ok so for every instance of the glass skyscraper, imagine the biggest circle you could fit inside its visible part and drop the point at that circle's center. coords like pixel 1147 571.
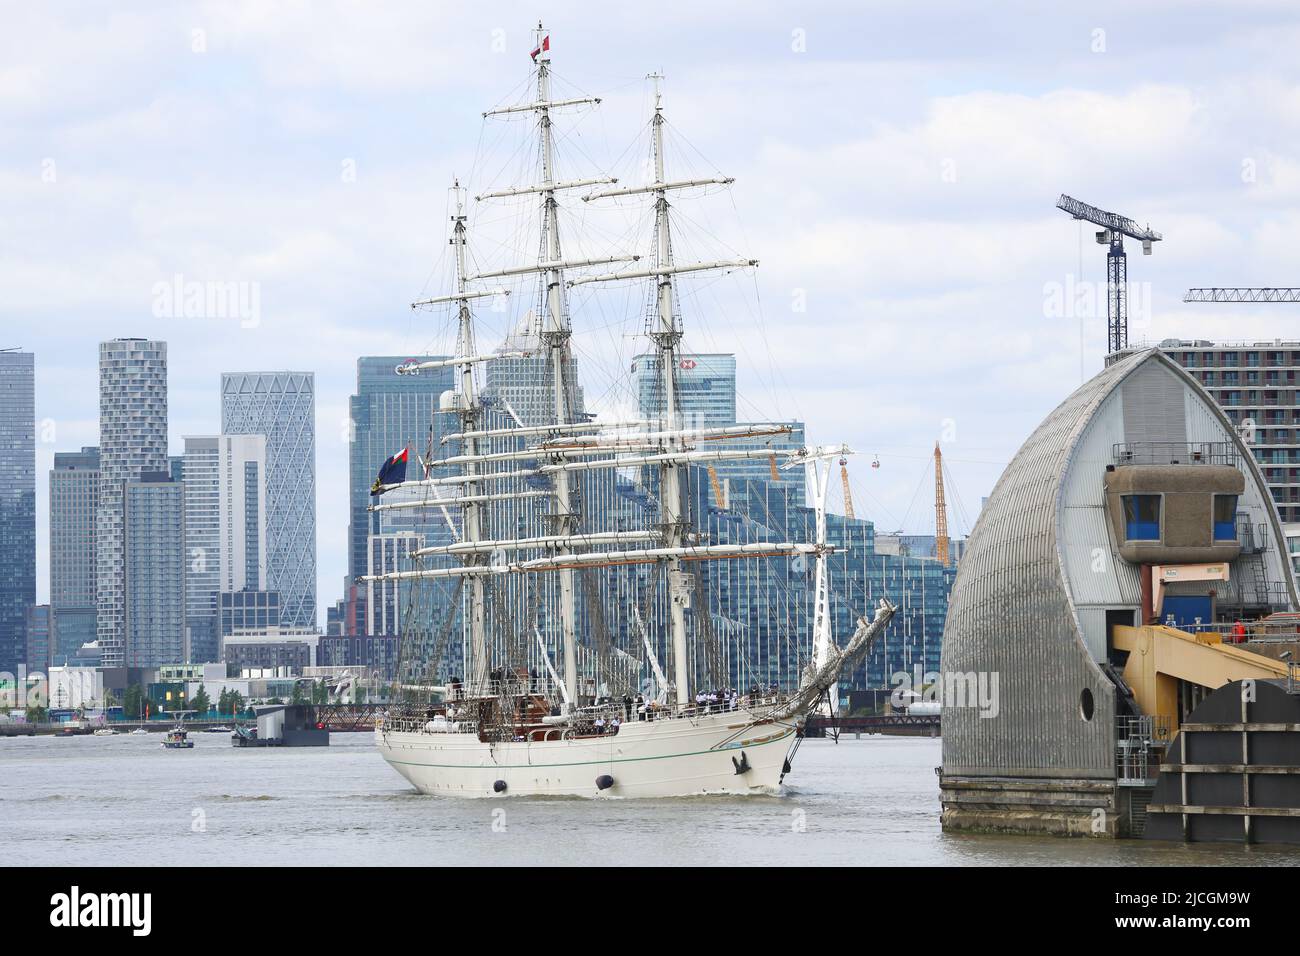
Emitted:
pixel 390 412
pixel 40 631
pixel 17 504
pixel 132 442
pixel 74 499
pixel 282 407
pixel 521 384
pixel 706 388
pixel 706 398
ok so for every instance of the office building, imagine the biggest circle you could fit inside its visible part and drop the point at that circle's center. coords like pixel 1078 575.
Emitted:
pixel 74 499
pixel 390 412
pixel 706 388
pixel 706 398
pixel 282 407
pixel 246 610
pixel 132 442
pixel 17 503
pixel 40 628
pixel 519 378
pixel 271 647
pixel 367 654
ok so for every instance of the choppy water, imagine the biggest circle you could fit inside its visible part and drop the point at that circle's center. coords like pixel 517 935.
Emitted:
pixel 126 800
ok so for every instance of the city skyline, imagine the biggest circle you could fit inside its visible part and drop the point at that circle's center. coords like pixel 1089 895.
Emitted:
pixel 946 252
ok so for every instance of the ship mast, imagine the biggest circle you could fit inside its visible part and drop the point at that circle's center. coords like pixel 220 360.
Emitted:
pixel 666 333
pixel 818 473
pixel 469 420
pixel 555 336
pixel 570 446
pixel 666 336
pixel 467 407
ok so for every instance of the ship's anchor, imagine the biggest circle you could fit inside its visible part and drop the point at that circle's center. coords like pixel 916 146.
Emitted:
pixel 741 765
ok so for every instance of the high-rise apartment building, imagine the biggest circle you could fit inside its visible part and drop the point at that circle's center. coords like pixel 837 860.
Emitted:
pixel 282 407
pixel 74 499
pixel 17 503
pixel 153 522
pixel 385 600
pixel 1256 385
pixel 132 443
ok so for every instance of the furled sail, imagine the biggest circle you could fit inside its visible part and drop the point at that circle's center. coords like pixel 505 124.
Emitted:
pixel 816 680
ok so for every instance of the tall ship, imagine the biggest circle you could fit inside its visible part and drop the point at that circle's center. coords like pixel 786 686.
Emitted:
pixel 547 703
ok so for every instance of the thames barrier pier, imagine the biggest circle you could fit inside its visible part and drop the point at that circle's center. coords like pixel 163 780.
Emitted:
pixel 1127 591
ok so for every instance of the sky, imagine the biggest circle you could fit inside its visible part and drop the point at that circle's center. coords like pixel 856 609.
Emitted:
pixel 896 171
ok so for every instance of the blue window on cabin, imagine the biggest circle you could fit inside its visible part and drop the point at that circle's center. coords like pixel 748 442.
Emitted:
pixel 1142 517
pixel 1225 517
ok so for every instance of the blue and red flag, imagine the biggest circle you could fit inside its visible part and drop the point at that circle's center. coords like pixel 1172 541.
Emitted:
pixel 393 472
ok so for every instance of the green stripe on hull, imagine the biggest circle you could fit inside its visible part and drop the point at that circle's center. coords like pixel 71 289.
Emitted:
pixel 582 763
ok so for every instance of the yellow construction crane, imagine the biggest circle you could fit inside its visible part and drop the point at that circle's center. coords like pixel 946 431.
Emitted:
pixel 848 495
pixel 718 496
pixel 940 511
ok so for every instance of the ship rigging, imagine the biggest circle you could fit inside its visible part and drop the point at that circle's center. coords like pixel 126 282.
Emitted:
pixel 508 727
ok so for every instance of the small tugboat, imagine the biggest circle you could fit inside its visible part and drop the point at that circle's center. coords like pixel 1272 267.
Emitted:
pixel 177 739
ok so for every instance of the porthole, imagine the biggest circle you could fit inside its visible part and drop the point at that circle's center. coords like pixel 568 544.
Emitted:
pixel 1085 704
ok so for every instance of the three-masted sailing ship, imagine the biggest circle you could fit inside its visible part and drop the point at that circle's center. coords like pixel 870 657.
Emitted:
pixel 507 728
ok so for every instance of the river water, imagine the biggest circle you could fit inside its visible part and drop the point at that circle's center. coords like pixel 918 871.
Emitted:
pixel 125 800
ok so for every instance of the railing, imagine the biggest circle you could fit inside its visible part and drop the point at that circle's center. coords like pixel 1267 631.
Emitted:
pixel 1139 744
pixel 458 716
pixel 1272 594
pixel 1253 537
pixel 1175 453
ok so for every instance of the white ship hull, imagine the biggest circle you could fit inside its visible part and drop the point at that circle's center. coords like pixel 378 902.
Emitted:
pixel 664 758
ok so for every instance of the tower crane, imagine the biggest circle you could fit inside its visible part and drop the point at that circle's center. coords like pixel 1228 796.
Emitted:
pixel 1242 295
pixel 940 511
pixel 718 494
pixel 1114 229
pixel 848 495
